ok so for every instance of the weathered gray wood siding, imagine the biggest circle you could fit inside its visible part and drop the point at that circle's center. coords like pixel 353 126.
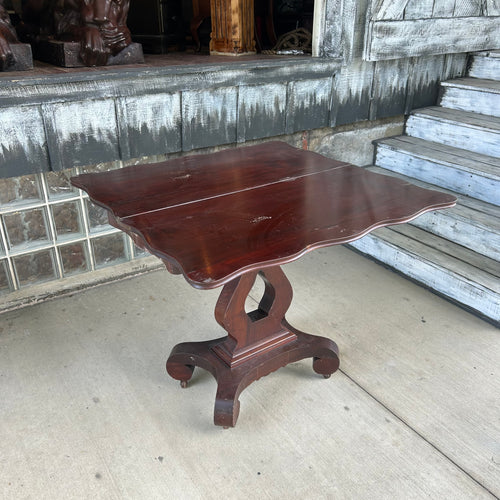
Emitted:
pixel 58 122
pixel 409 28
pixel 78 119
pixel 369 90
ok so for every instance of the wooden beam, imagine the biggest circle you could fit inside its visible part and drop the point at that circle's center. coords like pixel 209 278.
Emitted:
pixel 419 37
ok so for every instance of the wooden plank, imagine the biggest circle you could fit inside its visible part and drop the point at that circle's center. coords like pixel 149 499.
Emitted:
pixel 455 66
pixel 423 81
pixel 438 169
pixel 327 33
pixel 481 208
pixel 418 9
pixel 443 8
pixel 209 117
pixel 350 28
pixel 389 93
pixel 468 8
pixel 452 277
pixel 485 67
pixel 493 7
pixel 487 270
pixel 22 141
pixel 309 104
pixel 473 225
pixel 389 39
pixel 352 93
pixel 81 133
pixel 261 111
pixel 149 125
pixel 458 94
pixel 126 82
pixel 389 9
pixel 465 158
pixel 463 117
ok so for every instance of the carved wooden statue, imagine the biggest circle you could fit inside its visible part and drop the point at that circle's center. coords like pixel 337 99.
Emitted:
pixel 7 36
pixel 14 56
pixel 99 26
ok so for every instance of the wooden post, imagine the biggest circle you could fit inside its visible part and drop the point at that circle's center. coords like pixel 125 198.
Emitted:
pixel 232 27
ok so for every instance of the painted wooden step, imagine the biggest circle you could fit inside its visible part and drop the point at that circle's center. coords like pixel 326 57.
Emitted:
pixel 460 129
pixel 472 94
pixel 448 269
pixel 470 223
pixel 462 171
pixel 485 65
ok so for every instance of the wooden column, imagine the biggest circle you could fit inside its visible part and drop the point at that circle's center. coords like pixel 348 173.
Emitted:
pixel 232 27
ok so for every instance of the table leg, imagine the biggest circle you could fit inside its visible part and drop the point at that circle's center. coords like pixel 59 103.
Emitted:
pixel 257 343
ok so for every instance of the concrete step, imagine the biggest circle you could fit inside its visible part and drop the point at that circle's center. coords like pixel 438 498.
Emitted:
pixel 471 223
pixel 472 94
pixel 451 270
pixel 459 170
pixel 460 129
pixel 485 65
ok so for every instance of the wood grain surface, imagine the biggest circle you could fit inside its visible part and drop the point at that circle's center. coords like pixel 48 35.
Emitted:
pixel 215 217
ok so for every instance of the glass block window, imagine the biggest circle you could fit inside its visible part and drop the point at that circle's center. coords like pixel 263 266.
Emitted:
pixel 50 230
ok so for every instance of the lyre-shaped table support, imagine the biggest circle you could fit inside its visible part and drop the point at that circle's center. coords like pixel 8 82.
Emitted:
pixel 257 343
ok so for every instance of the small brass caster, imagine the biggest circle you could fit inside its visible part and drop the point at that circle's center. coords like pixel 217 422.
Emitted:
pixel 184 383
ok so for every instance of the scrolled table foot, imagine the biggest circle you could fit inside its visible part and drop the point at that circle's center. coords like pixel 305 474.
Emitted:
pixel 180 371
pixel 326 365
pixel 227 409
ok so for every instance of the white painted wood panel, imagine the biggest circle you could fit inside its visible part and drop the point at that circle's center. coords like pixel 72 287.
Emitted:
pixel 261 111
pixel 493 7
pixel 485 67
pixel 470 94
pixel 424 75
pixel 468 8
pixel 435 270
pixel 389 9
pixel 309 104
pixel 478 133
pixel 209 117
pixel 390 39
pixel 418 9
pixel 489 269
pixel 149 124
pixel 440 169
pixel 22 141
pixel 443 8
pixel 389 91
pixel 471 223
pixel 352 93
pixel 455 66
pixel 81 133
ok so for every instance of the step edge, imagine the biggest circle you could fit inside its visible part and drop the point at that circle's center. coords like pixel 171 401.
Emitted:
pixel 482 172
pixel 386 237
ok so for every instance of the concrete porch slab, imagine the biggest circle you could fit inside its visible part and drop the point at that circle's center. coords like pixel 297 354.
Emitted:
pixel 88 411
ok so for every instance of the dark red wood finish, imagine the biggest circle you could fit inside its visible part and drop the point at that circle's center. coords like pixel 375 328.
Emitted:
pixel 228 217
pixel 214 217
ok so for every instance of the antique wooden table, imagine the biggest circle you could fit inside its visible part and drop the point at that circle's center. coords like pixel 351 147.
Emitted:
pixel 227 217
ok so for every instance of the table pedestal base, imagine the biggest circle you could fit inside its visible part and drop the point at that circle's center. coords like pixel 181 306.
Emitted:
pixel 257 343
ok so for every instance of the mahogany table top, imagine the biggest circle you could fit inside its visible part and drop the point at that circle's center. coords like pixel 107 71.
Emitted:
pixel 214 217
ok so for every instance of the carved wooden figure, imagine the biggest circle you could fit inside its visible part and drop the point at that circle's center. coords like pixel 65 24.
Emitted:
pixel 13 55
pixel 99 26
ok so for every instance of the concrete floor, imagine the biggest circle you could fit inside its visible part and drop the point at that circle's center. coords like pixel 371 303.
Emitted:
pixel 88 411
